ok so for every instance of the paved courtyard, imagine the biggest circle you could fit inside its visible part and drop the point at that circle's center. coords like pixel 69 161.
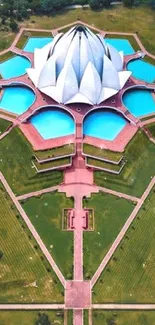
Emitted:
pixel 78 182
pixel 78 294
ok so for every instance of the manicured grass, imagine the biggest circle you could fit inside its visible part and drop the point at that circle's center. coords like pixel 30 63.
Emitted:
pixel 51 164
pixel 139 168
pixel 117 18
pixel 26 34
pixel 6 56
pixel 102 317
pixel 69 317
pixel 4 124
pixel 85 315
pixel 108 220
pixel 6 39
pixel 45 213
pixel 105 165
pixel 130 38
pixel 149 59
pixel 16 165
pixel 151 128
pixel 24 277
pixel 147 118
pixel 29 317
pixel 129 276
pixel 102 153
pixel 55 152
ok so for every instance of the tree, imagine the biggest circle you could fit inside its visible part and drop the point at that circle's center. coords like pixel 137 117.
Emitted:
pixel 94 4
pixel 35 6
pixel 13 25
pixel 128 3
pixel 43 319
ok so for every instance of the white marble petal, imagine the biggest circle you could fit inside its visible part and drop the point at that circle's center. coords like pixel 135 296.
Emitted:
pixel 90 85
pixel 110 76
pixel 106 93
pixel 123 77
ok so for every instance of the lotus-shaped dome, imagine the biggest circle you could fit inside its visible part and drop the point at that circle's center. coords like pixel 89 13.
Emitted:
pixel 78 67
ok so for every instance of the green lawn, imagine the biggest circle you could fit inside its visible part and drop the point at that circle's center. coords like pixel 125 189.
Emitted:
pixel 6 56
pixel 102 317
pixel 118 18
pixel 45 213
pixel 85 316
pixel 129 276
pixel 51 164
pixel 67 149
pixel 139 167
pixel 23 273
pixel 109 220
pixel 6 39
pixel 29 317
pixel 69 317
pixel 102 153
pixel 16 165
pixel 4 124
pixel 105 165
pixel 151 128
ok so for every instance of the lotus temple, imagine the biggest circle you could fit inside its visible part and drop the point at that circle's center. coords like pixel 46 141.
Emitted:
pixel 77 98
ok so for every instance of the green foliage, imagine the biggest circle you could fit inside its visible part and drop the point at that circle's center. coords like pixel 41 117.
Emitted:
pixel 96 4
pixel 53 5
pixel 128 3
pixel 43 319
pixel 13 25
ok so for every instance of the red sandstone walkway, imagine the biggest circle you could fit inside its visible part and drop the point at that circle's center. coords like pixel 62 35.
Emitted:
pixel 78 182
pixel 33 230
pixel 78 317
pixel 37 193
pixel 31 307
pixel 117 241
pixel 119 194
pixel 124 307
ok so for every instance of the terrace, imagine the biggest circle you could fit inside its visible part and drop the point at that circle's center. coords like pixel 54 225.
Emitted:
pixel 78 234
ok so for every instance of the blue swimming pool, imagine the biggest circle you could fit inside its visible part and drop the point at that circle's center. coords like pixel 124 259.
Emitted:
pixel 121 45
pixel 139 102
pixel 142 70
pixel 53 123
pixel 103 124
pixel 36 42
pixel 14 67
pixel 17 99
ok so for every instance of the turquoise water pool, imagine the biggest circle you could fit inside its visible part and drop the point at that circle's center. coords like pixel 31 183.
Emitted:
pixel 53 123
pixel 121 45
pixel 103 124
pixel 36 42
pixel 142 70
pixel 139 102
pixel 17 99
pixel 14 67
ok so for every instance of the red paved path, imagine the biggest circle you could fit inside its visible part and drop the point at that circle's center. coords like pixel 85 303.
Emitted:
pixel 124 307
pixel 30 307
pixel 78 180
pixel 37 193
pixel 78 317
pixel 119 194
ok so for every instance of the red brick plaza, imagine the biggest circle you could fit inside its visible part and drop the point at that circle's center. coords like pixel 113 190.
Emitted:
pixel 78 180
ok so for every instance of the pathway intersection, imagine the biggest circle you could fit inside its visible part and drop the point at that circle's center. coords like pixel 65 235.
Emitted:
pixel 78 183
